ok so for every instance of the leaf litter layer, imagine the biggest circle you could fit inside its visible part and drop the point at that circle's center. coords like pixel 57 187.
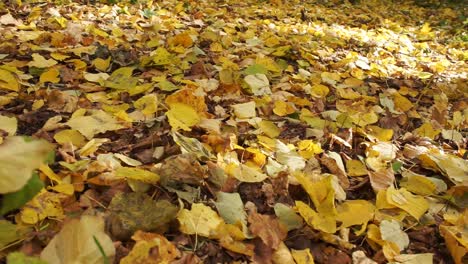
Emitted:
pixel 235 131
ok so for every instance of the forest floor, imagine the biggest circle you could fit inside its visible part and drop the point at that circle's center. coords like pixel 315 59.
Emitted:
pixel 233 132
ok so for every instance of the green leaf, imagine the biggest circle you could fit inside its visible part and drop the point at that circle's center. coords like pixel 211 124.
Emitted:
pixel 256 68
pixel 396 166
pixel 10 232
pixel 138 211
pixel 15 200
pixel 21 258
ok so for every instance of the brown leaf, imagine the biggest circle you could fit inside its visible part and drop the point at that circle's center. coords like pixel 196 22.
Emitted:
pixel 267 227
pixel 382 179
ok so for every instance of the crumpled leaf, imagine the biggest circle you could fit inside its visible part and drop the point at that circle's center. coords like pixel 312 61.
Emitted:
pixel 303 256
pixel 200 220
pixel 282 255
pixel 192 146
pixel 43 205
pixel 19 157
pixel 138 211
pixel 75 243
pixel 271 231
pixel 180 169
pixel 97 122
pixel 150 248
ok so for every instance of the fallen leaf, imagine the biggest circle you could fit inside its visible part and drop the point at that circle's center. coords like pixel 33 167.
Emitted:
pixel 80 241
pixel 303 256
pixel 97 122
pixel 182 116
pixel 391 231
pixel 414 205
pixel 150 248
pixel 19 157
pixel 9 124
pixel 40 62
pixel 266 227
pixel 137 211
pixel 8 81
pixel 200 220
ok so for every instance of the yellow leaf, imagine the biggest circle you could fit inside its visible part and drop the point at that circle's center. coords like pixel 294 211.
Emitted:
pixel 283 108
pixel 456 239
pixel 245 110
pixel 182 116
pixel 322 194
pixel 9 124
pixel 182 39
pixel 418 184
pixel 245 173
pixel 216 47
pixel 427 130
pixel 308 148
pixel 121 79
pixel 91 147
pixel 43 205
pixel 455 168
pixel 381 134
pixel 37 104
pixel 186 96
pixel 65 188
pixel 44 168
pixel 40 62
pixel 200 220
pixel 312 218
pixel 161 57
pixel 414 205
pixel 102 64
pixel 98 122
pixel 348 216
pixel 330 77
pixel 269 128
pixel 303 256
pixel 150 248
pixel 8 81
pixel 137 174
pixel 147 104
pixel 51 75
pixel 319 90
pixel 76 243
pixel 59 56
pixel 356 168
pixel 401 102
